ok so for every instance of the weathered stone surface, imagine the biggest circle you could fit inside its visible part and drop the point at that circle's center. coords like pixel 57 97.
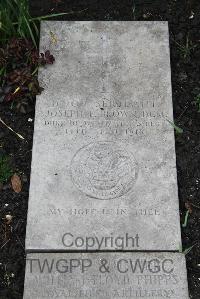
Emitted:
pixel 103 156
pixel 106 276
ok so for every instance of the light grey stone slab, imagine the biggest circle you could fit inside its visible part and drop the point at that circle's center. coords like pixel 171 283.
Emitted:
pixel 103 161
pixel 106 276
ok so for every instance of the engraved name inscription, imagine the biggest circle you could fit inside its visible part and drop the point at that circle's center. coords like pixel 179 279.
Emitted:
pixel 125 119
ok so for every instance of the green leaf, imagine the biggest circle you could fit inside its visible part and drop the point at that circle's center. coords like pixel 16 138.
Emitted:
pixel 30 31
pixel 186 219
pixel 176 128
pixel 5 169
pixel 187 250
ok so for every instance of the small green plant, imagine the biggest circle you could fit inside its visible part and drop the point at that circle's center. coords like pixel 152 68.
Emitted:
pixel 186 219
pixel 186 250
pixel 19 54
pixel 133 9
pixel 197 100
pixel 177 129
pixel 16 21
pixel 186 49
pixel 5 169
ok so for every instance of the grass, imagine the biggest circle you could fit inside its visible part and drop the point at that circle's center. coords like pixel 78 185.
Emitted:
pixel 177 129
pixel 186 219
pixel 18 55
pixel 197 99
pixel 16 21
pixel 5 169
pixel 186 49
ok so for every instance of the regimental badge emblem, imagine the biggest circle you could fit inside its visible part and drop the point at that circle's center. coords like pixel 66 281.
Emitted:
pixel 104 170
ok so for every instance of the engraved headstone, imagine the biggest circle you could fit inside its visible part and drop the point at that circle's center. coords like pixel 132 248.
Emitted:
pixel 106 276
pixel 103 167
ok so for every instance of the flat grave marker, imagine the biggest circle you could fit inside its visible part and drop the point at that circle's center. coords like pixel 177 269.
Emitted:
pixel 106 276
pixel 103 168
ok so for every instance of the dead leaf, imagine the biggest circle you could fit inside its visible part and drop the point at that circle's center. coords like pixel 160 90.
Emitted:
pixel 54 39
pixel 16 183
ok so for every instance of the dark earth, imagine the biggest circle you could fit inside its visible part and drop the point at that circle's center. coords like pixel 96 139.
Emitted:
pixel 184 24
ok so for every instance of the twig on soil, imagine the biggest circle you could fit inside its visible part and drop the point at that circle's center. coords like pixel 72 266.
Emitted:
pixel 18 135
pixel 4 244
pixel 184 110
